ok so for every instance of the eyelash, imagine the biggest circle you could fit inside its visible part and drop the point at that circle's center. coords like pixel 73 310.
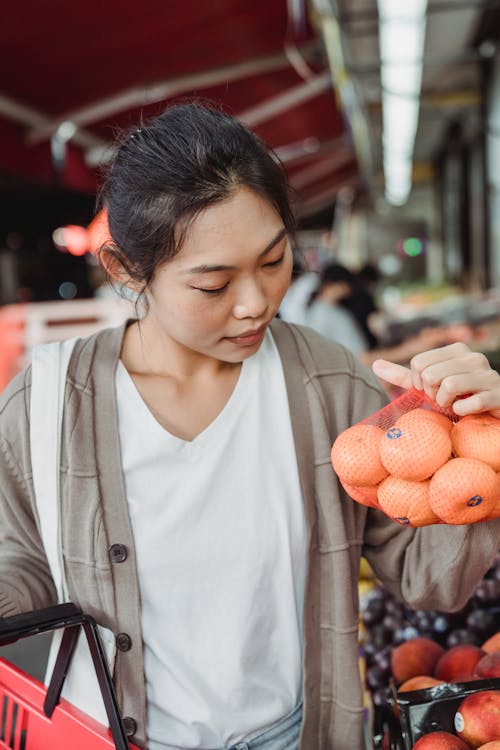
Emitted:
pixel 221 289
pixel 212 291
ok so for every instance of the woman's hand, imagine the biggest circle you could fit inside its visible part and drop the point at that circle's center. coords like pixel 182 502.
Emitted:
pixel 453 376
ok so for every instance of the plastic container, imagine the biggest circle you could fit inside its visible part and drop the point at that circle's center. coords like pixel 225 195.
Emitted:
pixel 411 715
pixel 35 717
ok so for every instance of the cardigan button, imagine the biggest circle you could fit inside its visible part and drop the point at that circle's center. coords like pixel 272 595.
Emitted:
pixel 129 725
pixel 123 642
pixel 117 553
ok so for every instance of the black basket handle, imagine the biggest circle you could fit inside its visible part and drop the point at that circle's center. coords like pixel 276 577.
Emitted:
pixel 69 617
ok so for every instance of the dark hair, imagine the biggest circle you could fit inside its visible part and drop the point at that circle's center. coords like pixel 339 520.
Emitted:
pixel 168 170
pixel 331 274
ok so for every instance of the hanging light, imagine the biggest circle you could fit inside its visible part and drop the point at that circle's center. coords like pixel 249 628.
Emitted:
pixel 401 39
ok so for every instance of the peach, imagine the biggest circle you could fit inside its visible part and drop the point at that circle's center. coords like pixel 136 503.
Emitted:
pixel 477 720
pixel 494 745
pixel 492 644
pixel 419 682
pixel 440 741
pixel 458 661
pixel 415 657
pixel 489 666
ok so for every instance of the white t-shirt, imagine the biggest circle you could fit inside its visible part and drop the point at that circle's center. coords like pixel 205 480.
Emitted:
pixel 337 324
pixel 221 540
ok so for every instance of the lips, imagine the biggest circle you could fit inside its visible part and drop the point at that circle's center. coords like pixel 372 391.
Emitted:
pixel 245 334
pixel 249 336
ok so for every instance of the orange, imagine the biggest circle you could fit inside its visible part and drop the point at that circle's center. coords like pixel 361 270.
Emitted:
pixel 478 436
pixel 355 455
pixel 364 494
pixel 441 419
pixel 464 490
pixel 415 446
pixel 406 502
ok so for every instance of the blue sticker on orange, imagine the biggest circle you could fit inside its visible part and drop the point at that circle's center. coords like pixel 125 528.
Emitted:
pixel 475 500
pixel 394 433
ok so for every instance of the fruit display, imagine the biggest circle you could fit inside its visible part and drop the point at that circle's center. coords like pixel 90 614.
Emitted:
pixel 421 465
pixel 432 663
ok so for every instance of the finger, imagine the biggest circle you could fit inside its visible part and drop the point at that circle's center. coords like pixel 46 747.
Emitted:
pixel 456 387
pixel 392 373
pixel 465 373
pixel 430 357
pixel 446 380
pixel 486 401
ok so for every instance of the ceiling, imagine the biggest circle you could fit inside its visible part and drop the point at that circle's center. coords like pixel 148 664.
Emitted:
pixel 105 65
pixel 451 78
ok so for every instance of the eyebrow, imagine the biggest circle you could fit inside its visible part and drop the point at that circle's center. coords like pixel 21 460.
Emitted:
pixel 208 269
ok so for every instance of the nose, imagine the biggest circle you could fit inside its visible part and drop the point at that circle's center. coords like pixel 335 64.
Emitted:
pixel 251 302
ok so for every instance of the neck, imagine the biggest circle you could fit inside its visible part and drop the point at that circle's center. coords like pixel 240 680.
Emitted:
pixel 148 351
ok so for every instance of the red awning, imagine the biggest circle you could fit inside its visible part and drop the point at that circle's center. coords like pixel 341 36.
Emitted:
pixel 105 65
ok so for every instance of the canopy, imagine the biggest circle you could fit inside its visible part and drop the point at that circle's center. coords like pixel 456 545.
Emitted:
pixel 72 73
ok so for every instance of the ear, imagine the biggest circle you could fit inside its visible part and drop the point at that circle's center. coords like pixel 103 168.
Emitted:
pixel 116 270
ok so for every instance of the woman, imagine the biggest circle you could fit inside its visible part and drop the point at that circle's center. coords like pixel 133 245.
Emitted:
pixel 201 518
pixel 327 315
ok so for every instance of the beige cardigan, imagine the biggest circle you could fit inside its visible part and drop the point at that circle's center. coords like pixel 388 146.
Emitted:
pixel 328 390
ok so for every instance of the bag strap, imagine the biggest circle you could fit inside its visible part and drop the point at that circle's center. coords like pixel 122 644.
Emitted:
pixel 48 382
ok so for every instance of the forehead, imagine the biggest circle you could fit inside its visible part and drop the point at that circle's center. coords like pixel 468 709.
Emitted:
pixel 242 223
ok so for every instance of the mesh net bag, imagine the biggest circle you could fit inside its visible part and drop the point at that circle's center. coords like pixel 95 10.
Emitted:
pixel 421 464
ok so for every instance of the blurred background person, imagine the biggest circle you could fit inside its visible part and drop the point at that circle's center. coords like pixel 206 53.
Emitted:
pixel 294 305
pixel 325 313
pixel 361 302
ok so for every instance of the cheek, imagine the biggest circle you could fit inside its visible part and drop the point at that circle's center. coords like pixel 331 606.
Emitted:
pixel 204 311
pixel 280 285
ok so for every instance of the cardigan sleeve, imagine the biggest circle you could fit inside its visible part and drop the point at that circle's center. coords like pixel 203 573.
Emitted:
pixel 434 567
pixel 25 579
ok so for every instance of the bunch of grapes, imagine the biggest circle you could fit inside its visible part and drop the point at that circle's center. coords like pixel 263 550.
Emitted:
pixel 386 623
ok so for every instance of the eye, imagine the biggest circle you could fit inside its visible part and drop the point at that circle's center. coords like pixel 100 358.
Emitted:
pixel 219 290
pixel 274 263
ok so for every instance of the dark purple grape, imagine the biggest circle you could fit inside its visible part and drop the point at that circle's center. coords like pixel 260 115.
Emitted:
pixel 482 622
pixel 425 622
pixel 380 696
pixel 392 622
pixel 394 608
pixel 376 677
pixel 441 625
pixel 380 637
pixel 488 592
pixel 369 650
pixel 409 632
pixel 459 636
pixel 383 658
pixel 399 636
pixel 373 612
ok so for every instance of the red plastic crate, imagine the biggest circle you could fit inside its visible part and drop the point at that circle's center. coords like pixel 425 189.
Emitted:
pixel 24 726
pixel 35 717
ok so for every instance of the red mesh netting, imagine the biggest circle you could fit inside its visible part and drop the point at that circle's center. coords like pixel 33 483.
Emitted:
pixel 420 464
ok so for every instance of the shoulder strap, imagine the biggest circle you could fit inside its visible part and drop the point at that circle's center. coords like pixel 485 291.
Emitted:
pixel 48 381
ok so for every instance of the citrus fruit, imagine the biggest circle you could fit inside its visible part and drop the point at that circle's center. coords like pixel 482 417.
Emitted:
pixel 363 494
pixel 355 455
pixel 406 502
pixel 441 419
pixel 464 490
pixel 415 446
pixel 478 436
